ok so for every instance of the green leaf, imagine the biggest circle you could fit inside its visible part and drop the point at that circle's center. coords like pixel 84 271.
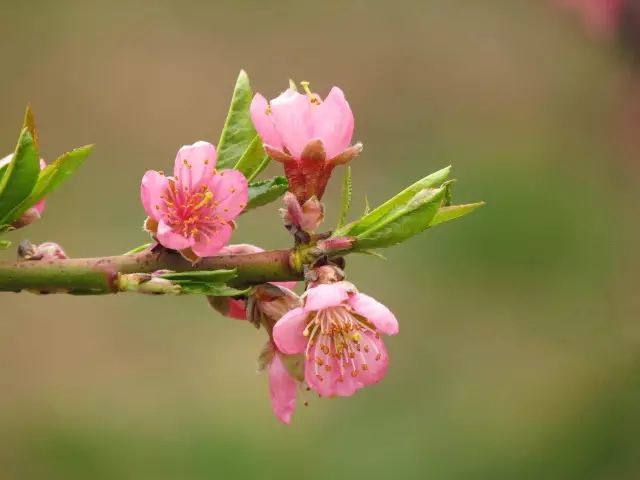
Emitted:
pixel 30 123
pixel 254 160
pixel 378 214
pixel 210 289
pixel 345 197
pixel 266 191
pixel 52 176
pixel 20 176
pixel 454 211
pixel 138 249
pixel 404 222
pixel 4 244
pixel 238 132
pixel 206 276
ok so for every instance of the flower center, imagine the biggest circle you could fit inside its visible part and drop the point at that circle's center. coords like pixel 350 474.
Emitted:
pixel 190 212
pixel 340 339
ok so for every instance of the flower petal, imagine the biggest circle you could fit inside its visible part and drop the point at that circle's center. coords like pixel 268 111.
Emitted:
pixel 326 295
pixel 322 378
pixel 291 113
pixel 287 332
pixel 152 187
pixel 263 122
pixel 195 164
pixel 333 123
pixel 230 193
pixel 169 239
pixel 237 309
pixel 209 242
pixel 381 317
pixel 376 358
pixel 282 389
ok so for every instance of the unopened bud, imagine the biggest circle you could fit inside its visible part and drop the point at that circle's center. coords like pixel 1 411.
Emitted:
pixel 324 274
pixel 44 251
pixel 27 218
pixel 336 244
pixel 306 217
pixel 146 283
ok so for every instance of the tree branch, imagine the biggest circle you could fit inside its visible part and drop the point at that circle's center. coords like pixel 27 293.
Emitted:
pixel 95 276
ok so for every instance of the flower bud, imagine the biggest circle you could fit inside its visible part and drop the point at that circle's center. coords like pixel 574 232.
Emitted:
pixel 44 251
pixel 306 217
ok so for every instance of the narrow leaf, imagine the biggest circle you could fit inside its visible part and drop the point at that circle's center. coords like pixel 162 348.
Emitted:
pixel 454 211
pixel 207 276
pixel 210 289
pixel 238 132
pixel 138 249
pixel 253 160
pixel 266 191
pixel 53 175
pixel 345 197
pixel 405 222
pixel 20 176
pixel 30 124
pixel 378 213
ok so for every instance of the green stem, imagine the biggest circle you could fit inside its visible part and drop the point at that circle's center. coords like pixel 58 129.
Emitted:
pixel 94 276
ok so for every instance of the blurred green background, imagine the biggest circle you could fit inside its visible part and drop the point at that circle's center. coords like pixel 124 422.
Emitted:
pixel 519 352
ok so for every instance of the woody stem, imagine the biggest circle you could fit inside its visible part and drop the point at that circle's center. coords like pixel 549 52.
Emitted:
pixel 95 276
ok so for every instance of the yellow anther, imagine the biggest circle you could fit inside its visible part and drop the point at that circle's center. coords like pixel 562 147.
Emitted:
pixel 207 198
pixel 313 98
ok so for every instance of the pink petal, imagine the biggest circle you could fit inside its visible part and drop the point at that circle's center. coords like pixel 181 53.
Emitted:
pixel 282 389
pixel 376 358
pixel 348 385
pixel 240 249
pixel 195 164
pixel 375 312
pixel 39 207
pixel 152 188
pixel 291 113
pixel 326 295
pixel 216 237
pixel 169 239
pixel 237 309
pixel 321 380
pixel 333 123
pixel 263 122
pixel 287 332
pixel 230 192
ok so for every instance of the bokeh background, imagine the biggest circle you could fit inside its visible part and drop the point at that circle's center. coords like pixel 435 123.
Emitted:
pixel 519 352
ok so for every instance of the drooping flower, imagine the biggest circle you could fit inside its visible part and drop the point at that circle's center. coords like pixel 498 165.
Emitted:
pixel 308 135
pixel 338 329
pixel 285 375
pixel 36 210
pixel 194 210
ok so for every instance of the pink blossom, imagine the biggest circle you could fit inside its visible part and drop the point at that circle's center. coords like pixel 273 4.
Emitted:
pixel 603 16
pixel 339 330
pixel 195 209
pixel 309 135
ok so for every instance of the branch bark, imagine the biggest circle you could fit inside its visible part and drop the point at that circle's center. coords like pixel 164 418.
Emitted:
pixel 95 276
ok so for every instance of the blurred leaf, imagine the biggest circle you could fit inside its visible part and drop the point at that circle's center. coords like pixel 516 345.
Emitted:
pixel 454 211
pixel 20 176
pixel 4 244
pixel 404 222
pixel 52 176
pixel 266 191
pixel 213 276
pixel 345 197
pixel 254 160
pixel 238 132
pixel 379 213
